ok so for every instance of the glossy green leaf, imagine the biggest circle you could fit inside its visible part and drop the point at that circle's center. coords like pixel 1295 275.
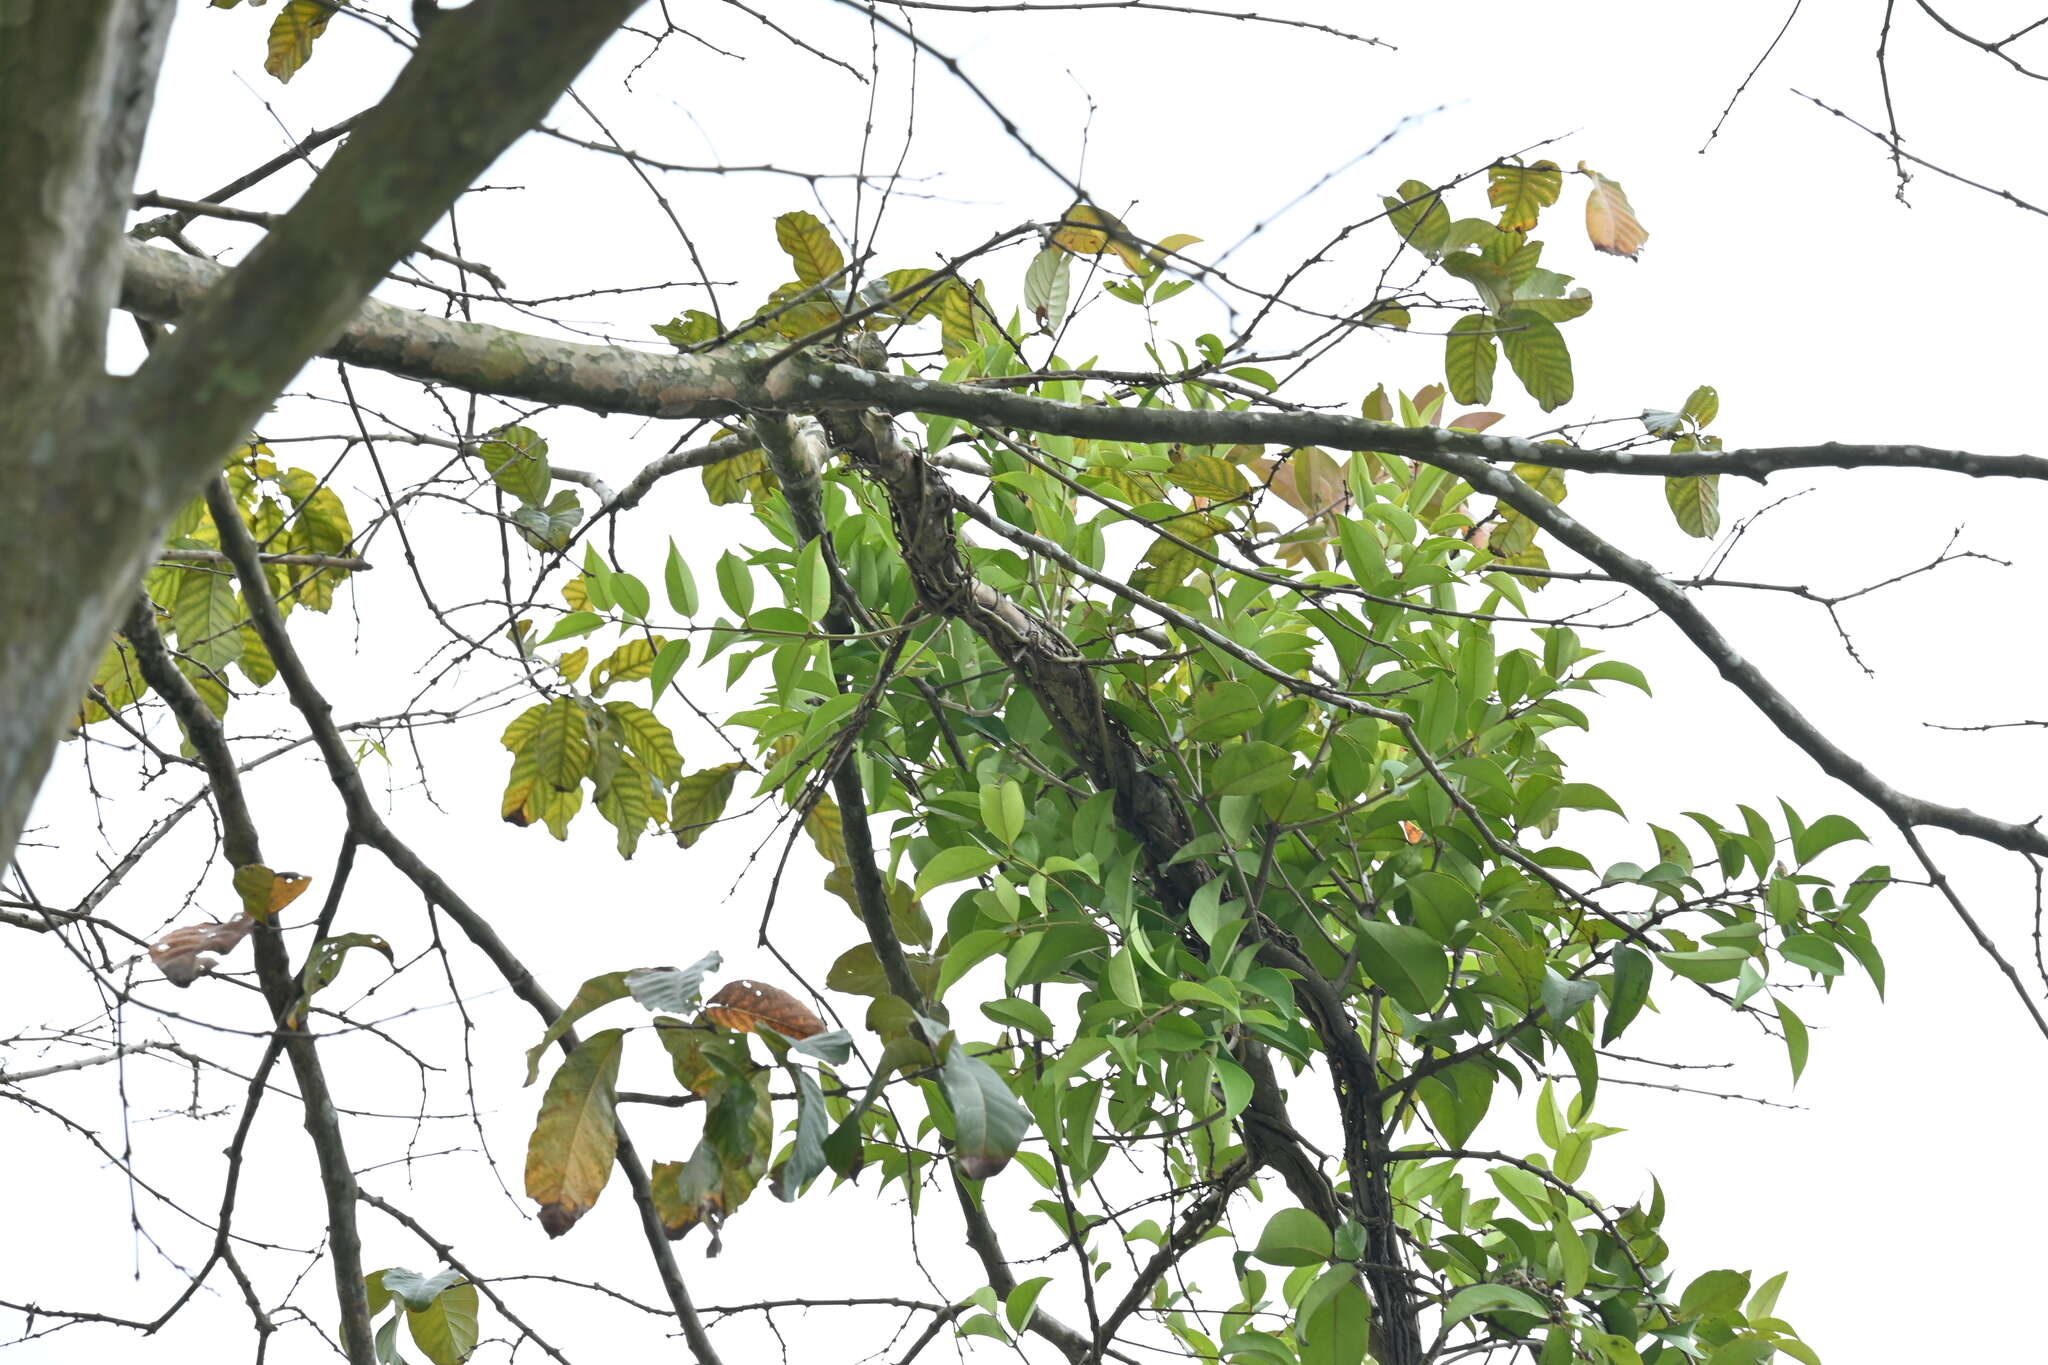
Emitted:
pixel 1294 1237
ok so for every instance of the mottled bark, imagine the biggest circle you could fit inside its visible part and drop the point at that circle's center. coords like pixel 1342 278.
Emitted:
pixel 76 82
pixel 91 468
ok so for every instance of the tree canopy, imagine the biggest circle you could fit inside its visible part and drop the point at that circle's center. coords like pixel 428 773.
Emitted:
pixel 1049 748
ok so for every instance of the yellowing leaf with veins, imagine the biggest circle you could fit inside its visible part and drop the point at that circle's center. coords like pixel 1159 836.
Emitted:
pixel 576 1137
pixel 1610 221
pixel 1090 231
pixel 292 34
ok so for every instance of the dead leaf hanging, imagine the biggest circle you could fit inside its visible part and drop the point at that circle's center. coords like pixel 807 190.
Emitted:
pixel 744 1005
pixel 187 953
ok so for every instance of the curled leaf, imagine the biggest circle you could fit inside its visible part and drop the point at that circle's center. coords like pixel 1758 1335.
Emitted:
pixel 186 954
pixel 324 964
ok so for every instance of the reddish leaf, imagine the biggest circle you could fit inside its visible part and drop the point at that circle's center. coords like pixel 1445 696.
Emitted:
pixel 744 1005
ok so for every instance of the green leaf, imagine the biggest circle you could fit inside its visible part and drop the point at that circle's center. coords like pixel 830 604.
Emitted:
pixel 1702 405
pixel 1717 1291
pixel 374 1290
pixel 666 664
pixel 414 1290
pixel 572 625
pixel 1405 962
pixel 323 964
pixel 954 864
pixel 1795 1036
pixel 669 990
pixel 1226 710
pixel 1523 192
pixel 1630 989
pixel 1539 357
pixel 1695 503
pixel 1823 834
pixel 1048 283
pixel 1470 354
pixel 1496 290
pixel 550 527
pixel 208 617
pixel 1584 796
pixel 1002 810
pixel 1208 476
pixel 1812 952
pixel 1294 1237
pixel 1023 1300
pixel 597 991
pixel 517 459
pixel 807 1157
pixel 446 1329
pixel 1418 214
pixel 681 585
pixel 1250 767
pixel 988 1123
pixel 699 800
pixel 1010 1012
pixel 813 581
pixel 1338 1328
pixel 1492 1298
pixel 736 583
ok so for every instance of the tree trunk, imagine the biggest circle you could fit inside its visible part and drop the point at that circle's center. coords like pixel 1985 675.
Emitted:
pixel 76 84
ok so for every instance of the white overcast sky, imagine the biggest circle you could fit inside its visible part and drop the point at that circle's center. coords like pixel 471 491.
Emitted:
pixel 1781 269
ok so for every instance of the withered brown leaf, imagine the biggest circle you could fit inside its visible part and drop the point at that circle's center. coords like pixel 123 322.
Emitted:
pixel 744 1005
pixel 187 953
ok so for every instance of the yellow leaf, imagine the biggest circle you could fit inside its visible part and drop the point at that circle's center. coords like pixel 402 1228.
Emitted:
pixel 699 801
pixel 1089 231
pixel 1523 192
pixel 264 892
pixel 1610 222
pixel 292 34
pixel 810 246
pixel 576 1137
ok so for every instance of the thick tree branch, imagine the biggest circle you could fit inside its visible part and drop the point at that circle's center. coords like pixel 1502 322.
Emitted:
pixel 484 76
pixel 76 85
pixel 1669 598
pixel 476 356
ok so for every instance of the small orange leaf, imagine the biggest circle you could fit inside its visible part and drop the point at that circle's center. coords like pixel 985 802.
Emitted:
pixel 1610 221
pixel 185 954
pixel 744 1005
pixel 265 892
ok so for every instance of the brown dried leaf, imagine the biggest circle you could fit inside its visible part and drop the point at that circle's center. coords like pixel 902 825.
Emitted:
pixel 185 954
pixel 744 1005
